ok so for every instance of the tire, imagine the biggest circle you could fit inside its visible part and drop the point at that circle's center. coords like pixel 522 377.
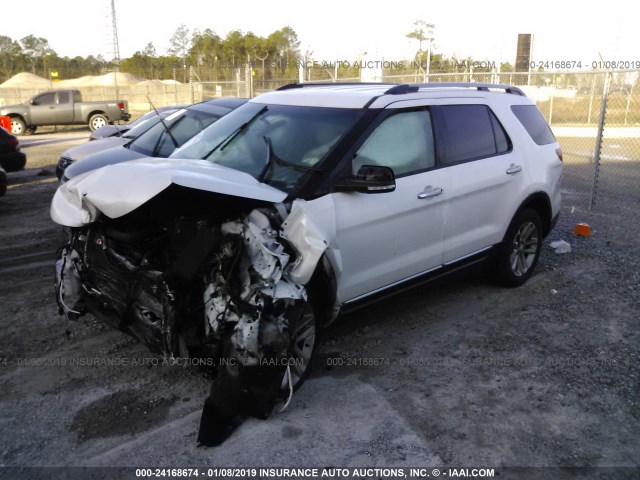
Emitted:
pixel 18 127
pixel 304 338
pixel 520 251
pixel 98 120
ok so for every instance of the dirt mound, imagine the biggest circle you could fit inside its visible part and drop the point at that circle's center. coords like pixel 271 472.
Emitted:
pixel 151 82
pixel 26 80
pixel 106 80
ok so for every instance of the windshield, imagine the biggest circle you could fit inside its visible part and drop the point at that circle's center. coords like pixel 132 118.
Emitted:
pixel 276 144
pixel 182 124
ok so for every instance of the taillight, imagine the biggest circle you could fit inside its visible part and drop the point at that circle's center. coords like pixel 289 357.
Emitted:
pixel 13 142
pixel 121 105
pixel 559 153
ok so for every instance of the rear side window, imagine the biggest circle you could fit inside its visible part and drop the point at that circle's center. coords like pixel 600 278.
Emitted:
pixel 472 131
pixel 63 97
pixel 534 123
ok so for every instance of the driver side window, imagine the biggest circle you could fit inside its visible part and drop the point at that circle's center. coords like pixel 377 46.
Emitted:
pixel 46 99
pixel 403 141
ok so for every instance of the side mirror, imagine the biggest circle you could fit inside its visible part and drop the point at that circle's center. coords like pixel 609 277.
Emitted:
pixel 369 179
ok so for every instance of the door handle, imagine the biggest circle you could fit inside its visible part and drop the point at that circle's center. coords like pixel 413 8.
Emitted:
pixel 429 191
pixel 513 169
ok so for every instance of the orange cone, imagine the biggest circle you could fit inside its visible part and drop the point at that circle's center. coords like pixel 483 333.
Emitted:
pixel 583 230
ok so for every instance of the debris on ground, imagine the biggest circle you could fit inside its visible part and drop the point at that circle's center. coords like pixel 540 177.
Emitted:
pixel 560 246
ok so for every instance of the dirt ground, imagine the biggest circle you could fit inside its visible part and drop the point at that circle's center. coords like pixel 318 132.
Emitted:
pixel 458 374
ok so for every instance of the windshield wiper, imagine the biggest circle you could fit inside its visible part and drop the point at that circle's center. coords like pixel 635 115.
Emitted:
pixel 272 157
pixel 227 140
pixel 173 139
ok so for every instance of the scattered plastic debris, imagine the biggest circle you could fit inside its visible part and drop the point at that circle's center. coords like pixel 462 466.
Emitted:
pixel 560 246
pixel 554 291
pixel 582 230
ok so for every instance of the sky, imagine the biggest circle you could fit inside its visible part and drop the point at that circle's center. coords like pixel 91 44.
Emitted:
pixel 341 29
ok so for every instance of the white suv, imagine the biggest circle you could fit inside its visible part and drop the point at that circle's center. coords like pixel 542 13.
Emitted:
pixel 304 202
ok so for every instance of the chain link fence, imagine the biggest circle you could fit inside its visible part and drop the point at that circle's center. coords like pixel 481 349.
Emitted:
pixel 594 115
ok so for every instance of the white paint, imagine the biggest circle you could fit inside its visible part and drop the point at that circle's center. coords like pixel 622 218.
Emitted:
pixel 119 189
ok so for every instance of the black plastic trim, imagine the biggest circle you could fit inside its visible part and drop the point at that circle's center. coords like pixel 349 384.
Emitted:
pixel 421 280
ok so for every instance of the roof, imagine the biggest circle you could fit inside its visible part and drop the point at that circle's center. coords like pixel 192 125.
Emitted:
pixel 362 95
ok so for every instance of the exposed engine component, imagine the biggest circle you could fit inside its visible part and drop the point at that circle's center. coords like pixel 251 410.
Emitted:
pixel 196 287
pixel 256 293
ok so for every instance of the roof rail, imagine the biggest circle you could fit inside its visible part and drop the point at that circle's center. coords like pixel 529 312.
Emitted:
pixel 414 87
pixel 330 84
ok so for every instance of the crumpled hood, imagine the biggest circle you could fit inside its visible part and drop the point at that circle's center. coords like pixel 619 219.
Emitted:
pixel 119 189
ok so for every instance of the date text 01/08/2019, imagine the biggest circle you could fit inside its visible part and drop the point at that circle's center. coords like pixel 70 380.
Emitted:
pixel 596 64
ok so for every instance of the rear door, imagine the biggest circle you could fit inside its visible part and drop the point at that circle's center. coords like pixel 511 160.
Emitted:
pixel 64 107
pixel 488 178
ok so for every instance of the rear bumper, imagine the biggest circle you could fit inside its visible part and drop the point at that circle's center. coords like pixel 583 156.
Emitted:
pixel 125 117
pixel 14 161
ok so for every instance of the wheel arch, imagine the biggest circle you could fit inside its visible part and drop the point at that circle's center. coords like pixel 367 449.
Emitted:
pixel 324 285
pixel 541 203
pixel 98 112
pixel 20 116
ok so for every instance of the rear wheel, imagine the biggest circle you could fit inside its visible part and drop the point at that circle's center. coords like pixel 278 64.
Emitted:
pixel 18 127
pixel 98 120
pixel 520 251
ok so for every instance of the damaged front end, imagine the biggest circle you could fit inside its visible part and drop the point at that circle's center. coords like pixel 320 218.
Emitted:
pixel 227 282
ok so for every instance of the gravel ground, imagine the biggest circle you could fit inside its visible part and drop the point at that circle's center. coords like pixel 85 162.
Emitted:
pixel 462 373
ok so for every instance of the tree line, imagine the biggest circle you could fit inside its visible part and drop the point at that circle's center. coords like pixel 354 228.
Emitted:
pixel 212 58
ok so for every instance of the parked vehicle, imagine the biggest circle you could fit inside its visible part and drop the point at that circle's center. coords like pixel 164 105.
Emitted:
pixel 12 158
pixel 119 130
pixel 154 138
pixel 84 150
pixel 301 204
pixel 63 107
pixel 3 182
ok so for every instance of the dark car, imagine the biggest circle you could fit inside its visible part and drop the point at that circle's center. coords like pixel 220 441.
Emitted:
pixel 161 139
pixel 11 158
pixel 118 130
pixel 3 181
pixel 87 149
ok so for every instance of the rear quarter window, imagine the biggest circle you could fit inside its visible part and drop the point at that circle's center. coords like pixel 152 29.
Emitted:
pixel 534 123
pixel 472 132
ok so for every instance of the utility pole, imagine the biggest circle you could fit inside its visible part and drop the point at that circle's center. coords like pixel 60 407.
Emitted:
pixel 116 47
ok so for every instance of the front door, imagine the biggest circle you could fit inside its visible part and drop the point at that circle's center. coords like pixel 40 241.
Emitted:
pixel 390 237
